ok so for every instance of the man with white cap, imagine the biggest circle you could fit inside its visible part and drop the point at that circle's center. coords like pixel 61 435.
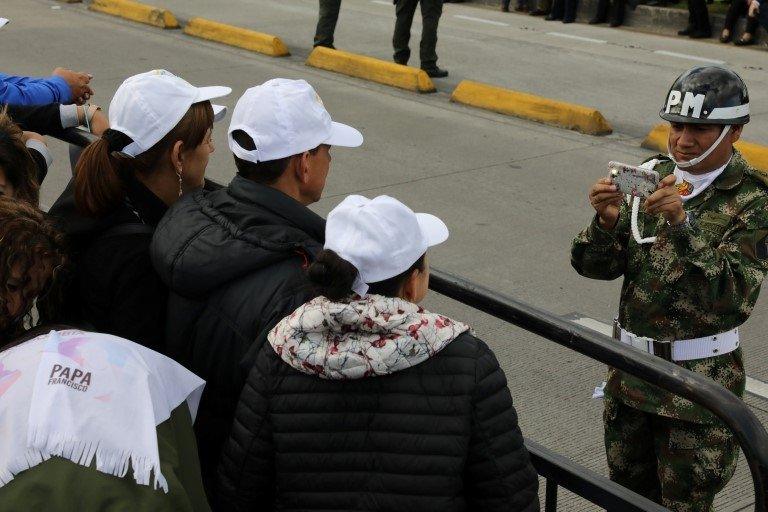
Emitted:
pixel 363 400
pixel 157 149
pixel 235 259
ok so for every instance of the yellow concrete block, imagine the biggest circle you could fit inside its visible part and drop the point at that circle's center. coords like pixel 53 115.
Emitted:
pixel 135 11
pixel 528 106
pixel 236 36
pixel 755 154
pixel 368 68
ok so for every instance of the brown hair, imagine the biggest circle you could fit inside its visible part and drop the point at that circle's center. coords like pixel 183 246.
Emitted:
pixel 27 240
pixel 99 186
pixel 16 162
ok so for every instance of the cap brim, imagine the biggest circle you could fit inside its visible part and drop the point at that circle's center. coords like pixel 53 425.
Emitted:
pixel 4 22
pixel 434 230
pixel 219 112
pixel 344 136
pixel 209 93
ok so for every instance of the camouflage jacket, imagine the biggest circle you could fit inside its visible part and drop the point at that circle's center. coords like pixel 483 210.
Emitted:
pixel 692 282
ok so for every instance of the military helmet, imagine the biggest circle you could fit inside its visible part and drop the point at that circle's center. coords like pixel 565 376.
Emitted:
pixel 707 95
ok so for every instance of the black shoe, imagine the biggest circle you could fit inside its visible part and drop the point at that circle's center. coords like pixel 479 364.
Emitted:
pixel 402 63
pixel 504 8
pixel 744 42
pixel 596 21
pixel 615 23
pixel 539 12
pixel 552 17
pixel 436 72
pixel 686 31
pixel 568 20
pixel 726 39
pixel 700 34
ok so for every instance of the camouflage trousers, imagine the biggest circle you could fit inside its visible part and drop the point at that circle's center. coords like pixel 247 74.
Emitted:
pixel 678 464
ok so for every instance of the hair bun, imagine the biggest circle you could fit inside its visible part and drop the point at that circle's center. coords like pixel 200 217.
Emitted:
pixel 331 275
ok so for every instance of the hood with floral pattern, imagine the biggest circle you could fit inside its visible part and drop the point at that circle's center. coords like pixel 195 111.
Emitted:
pixel 370 336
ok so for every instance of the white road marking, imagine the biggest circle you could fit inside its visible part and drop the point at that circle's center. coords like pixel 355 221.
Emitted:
pixel 754 386
pixel 481 20
pixel 689 57
pixel 382 2
pixel 578 38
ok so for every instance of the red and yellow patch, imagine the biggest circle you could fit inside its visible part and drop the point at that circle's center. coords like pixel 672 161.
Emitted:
pixel 684 188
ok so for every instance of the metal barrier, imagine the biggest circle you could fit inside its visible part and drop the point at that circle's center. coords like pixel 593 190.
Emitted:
pixel 557 470
pixel 748 430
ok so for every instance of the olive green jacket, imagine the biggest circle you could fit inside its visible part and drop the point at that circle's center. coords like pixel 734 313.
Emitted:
pixel 63 486
pixel 690 283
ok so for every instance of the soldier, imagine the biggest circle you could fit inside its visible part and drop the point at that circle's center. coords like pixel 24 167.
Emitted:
pixel 326 22
pixel 431 10
pixel 693 261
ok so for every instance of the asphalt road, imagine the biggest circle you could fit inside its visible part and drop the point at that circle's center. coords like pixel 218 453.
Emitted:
pixel 512 192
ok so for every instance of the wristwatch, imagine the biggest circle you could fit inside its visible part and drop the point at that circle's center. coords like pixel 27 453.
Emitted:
pixel 687 223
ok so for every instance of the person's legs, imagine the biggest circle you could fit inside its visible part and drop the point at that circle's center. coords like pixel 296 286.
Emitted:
pixel 701 19
pixel 617 12
pixel 556 13
pixel 601 13
pixel 326 22
pixel 695 462
pixel 629 449
pixel 542 9
pixel 404 10
pixel 431 10
pixel 569 11
pixel 691 22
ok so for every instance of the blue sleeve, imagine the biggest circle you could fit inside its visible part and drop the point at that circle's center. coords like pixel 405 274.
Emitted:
pixel 19 90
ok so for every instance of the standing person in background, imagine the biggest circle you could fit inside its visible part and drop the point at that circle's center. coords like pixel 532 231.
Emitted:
pixel 362 400
pixel 609 9
pixel 543 8
pixel 64 86
pixel 737 9
pixel 326 22
pixel 564 10
pixel 235 259
pixel 124 184
pixel 431 10
pixel 698 21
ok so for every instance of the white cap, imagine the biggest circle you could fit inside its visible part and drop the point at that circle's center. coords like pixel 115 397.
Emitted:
pixel 4 22
pixel 285 118
pixel 146 107
pixel 381 237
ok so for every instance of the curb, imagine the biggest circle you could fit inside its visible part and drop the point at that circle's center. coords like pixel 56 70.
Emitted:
pixel 369 68
pixel 236 36
pixel 755 154
pixel 535 108
pixel 136 11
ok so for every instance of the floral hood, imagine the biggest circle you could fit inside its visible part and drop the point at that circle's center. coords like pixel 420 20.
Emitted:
pixel 371 336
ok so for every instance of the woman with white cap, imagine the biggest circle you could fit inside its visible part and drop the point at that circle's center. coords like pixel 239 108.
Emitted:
pixel 156 149
pixel 363 400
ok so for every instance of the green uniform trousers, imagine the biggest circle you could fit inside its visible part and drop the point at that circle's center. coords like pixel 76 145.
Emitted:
pixel 431 10
pixel 678 464
pixel 326 22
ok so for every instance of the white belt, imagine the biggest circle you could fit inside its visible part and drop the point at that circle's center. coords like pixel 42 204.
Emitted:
pixel 684 350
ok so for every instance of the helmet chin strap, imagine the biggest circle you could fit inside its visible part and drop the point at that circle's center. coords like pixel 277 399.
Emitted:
pixel 703 156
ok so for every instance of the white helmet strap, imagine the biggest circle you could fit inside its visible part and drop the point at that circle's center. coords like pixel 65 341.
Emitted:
pixel 703 156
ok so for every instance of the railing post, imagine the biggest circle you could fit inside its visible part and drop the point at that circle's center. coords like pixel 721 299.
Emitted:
pixel 550 501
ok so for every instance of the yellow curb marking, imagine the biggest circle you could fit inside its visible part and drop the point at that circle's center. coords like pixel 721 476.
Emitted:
pixel 368 68
pixel 236 36
pixel 135 11
pixel 755 154
pixel 535 108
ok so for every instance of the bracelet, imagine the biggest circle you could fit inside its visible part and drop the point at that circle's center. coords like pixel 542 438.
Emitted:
pixel 86 108
pixel 683 225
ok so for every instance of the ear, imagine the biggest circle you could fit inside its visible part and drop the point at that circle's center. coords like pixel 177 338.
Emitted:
pixel 736 133
pixel 410 288
pixel 302 167
pixel 177 158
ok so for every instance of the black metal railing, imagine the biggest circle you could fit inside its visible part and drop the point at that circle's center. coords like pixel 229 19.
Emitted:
pixel 557 470
pixel 748 430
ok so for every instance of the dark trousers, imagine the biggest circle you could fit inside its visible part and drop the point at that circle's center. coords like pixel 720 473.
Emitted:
pixel 565 9
pixel 738 9
pixel 431 10
pixel 326 23
pixel 614 9
pixel 698 15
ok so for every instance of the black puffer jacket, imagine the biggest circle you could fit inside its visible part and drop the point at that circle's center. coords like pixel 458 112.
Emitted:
pixel 436 435
pixel 234 261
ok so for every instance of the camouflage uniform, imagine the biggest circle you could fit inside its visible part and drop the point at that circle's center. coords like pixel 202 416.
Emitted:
pixel 692 282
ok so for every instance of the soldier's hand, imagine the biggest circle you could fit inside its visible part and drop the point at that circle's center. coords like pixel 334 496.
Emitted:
pixel 606 200
pixel 666 201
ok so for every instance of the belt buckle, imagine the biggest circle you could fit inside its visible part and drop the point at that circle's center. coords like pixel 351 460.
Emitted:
pixel 663 349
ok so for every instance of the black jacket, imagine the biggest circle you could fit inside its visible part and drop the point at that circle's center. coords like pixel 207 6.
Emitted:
pixel 438 436
pixel 113 287
pixel 234 261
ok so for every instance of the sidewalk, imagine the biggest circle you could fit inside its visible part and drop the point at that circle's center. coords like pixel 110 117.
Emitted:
pixel 655 20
